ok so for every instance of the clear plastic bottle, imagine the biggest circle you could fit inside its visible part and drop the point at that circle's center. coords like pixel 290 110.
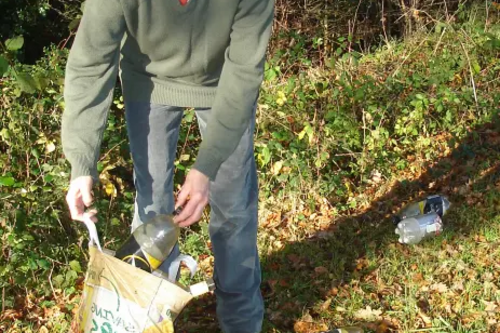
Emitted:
pixel 150 243
pixel 432 204
pixel 413 229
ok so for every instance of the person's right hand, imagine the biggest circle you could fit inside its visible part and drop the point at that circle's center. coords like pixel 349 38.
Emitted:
pixel 80 197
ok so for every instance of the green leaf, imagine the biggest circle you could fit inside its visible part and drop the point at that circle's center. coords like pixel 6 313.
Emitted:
pixel 14 44
pixel 266 155
pixel 74 24
pixel 41 82
pixel 4 66
pixel 35 152
pixel 7 181
pixel 476 67
pixel 58 280
pixel 26 82
pixel 75 265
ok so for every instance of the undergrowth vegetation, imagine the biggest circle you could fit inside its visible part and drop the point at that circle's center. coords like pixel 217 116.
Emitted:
pixel 340 146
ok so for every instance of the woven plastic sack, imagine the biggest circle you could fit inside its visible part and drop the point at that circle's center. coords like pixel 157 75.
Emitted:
pixel 120 298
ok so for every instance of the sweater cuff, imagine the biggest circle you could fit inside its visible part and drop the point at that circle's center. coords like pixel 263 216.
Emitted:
pixel 208 163
pixel 79 169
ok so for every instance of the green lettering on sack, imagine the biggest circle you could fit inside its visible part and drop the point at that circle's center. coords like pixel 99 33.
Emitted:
pixel 94 326
pixel 106 328
pixel 98 312
pixel 110 313
pixel 112 320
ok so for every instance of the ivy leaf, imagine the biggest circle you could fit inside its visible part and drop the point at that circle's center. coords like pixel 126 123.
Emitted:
pixel 75 265
pixel 26 82
pixel 41 82
pixel 14 44
pixel 74 24
pixel 4 66
pixel 7 181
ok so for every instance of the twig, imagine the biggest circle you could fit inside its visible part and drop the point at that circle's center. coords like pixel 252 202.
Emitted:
pixel 50 282
pixel 355 19
pixel 348 154
pixel 111 149
pixel 3 299
pixel 187 138
pixel 439 42
pixel 384 25
pixel 53 260
pixel 471 75
pixel 494 80
pixel 487 16
pixel 406 58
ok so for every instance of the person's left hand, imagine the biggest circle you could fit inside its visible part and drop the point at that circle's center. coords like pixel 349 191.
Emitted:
pixel 193 198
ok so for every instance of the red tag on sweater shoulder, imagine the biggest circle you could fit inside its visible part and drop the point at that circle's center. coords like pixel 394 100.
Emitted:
pixel 183 2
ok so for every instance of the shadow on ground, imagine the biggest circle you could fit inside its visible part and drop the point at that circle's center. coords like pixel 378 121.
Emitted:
pixel 290 284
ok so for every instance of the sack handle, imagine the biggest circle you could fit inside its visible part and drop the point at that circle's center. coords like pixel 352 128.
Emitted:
pixel 174 268
pixel 94 237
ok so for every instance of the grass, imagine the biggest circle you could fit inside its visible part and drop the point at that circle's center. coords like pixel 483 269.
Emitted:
pixel 356 273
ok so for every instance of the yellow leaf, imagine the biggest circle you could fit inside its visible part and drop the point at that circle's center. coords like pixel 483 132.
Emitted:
pixel 302 134
pixel 185 157
pixel 281 98
pixel 111 190
pixel 311 138
pixel 276 168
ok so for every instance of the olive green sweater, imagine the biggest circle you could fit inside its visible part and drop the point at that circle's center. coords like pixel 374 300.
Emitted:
pixel 207 53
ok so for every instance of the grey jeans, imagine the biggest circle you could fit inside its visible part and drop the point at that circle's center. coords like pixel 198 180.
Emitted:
pixel 153 133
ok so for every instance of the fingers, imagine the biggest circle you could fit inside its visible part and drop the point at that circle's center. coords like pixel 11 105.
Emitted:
pixel 85 185
pixel 75 204
pixel 79 197
pixel 92 214
pixel 192 211
pixel 182 197
pixel 87 197
pixel 188 209
pixel 195 217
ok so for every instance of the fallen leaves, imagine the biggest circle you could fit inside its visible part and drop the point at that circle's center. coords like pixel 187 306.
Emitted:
pixel 368 314
pixel 425 318
pixel 321 270
pixel 490 306
pixel 11 314
pixel 309 327
pixel 439 287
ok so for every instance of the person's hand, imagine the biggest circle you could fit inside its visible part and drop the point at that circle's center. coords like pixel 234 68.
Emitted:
pixel 80 197
pixel 193 198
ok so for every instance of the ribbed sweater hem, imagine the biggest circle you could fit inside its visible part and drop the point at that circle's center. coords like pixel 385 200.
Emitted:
pixel 167 92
